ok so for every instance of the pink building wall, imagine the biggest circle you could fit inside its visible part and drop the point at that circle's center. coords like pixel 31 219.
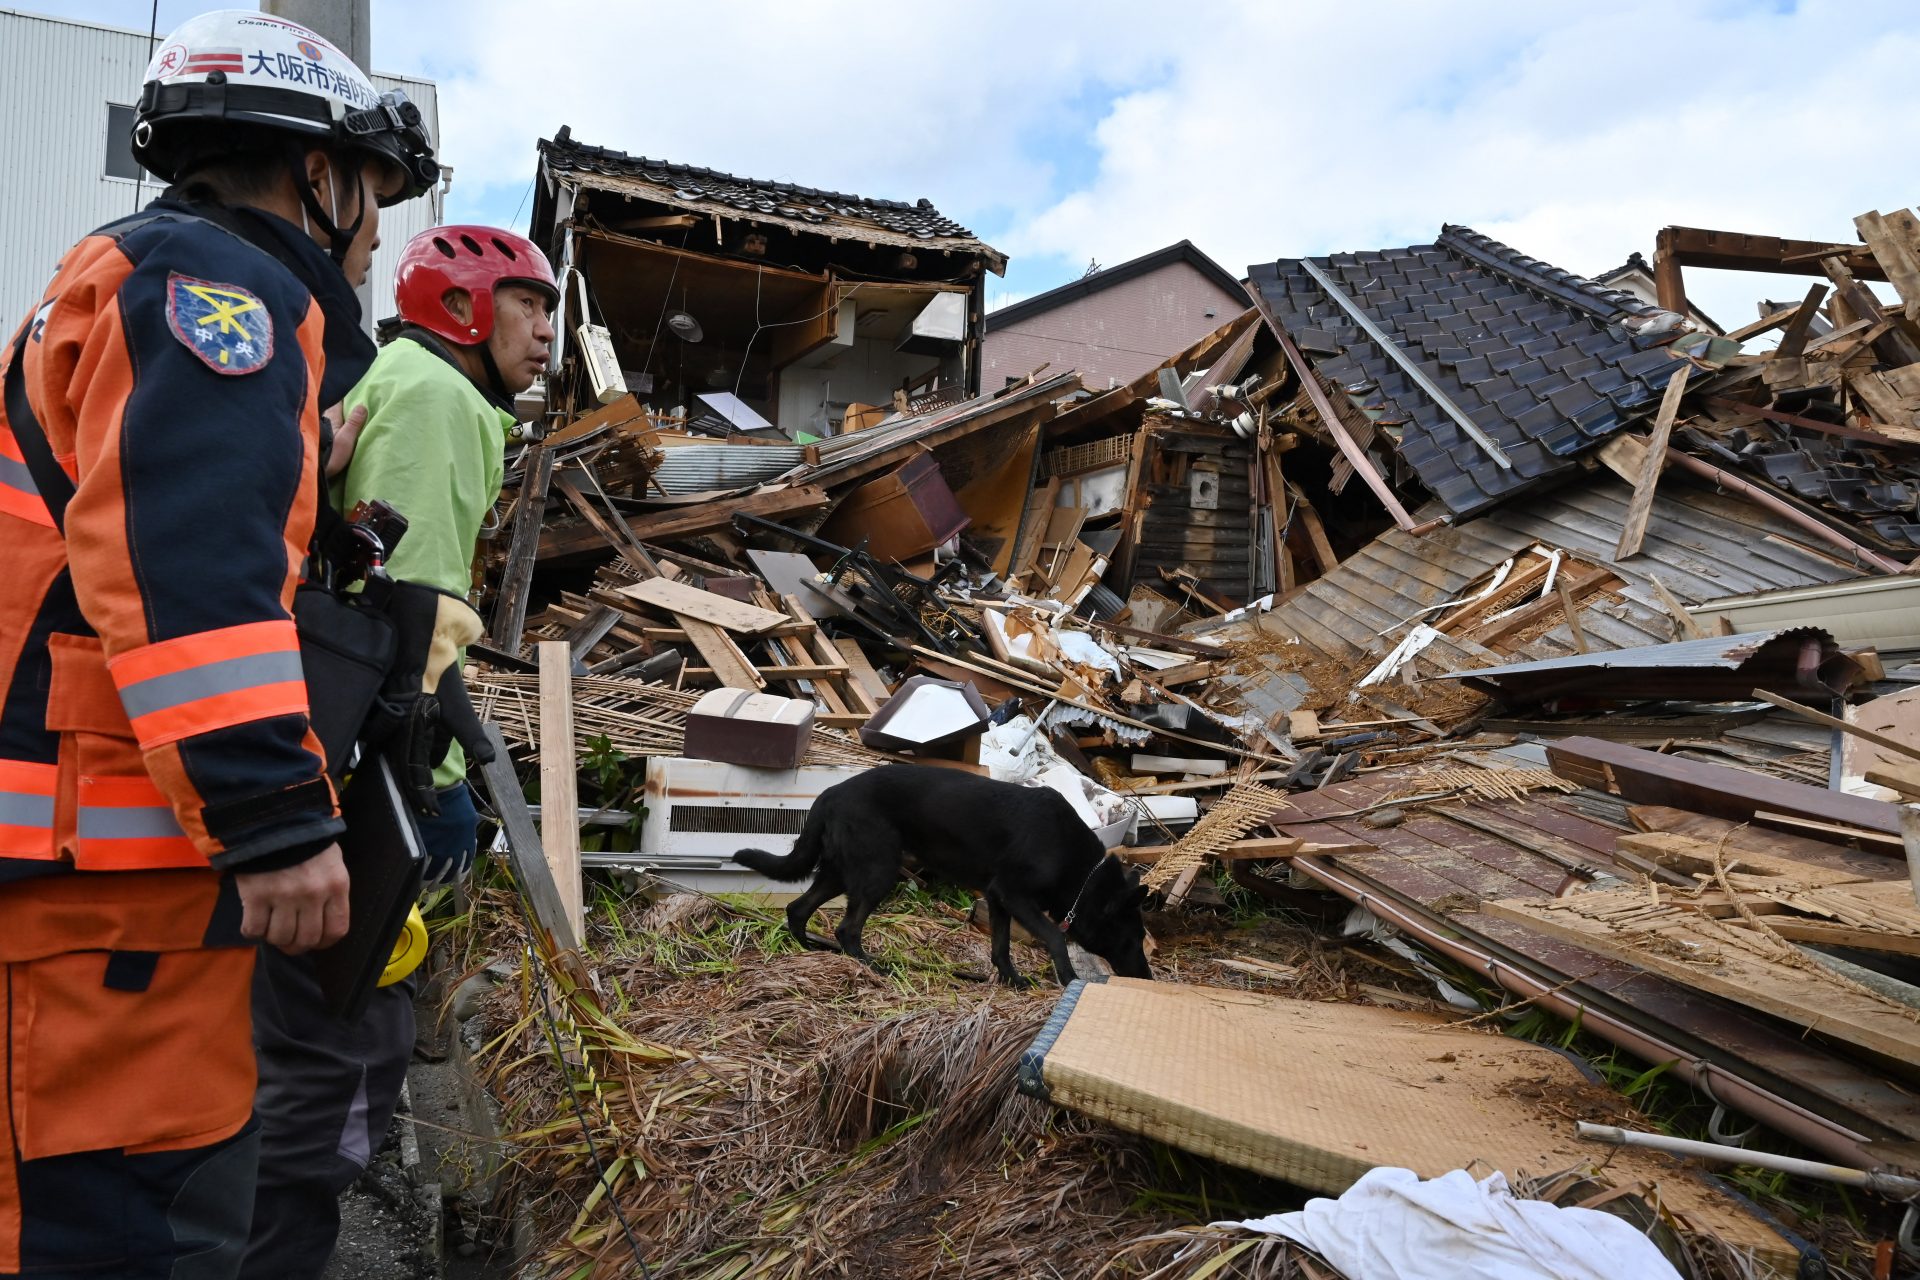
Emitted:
pixel 1114 334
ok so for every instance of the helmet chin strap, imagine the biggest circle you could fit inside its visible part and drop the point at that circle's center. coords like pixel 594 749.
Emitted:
pixel 339 239
pixel 493 372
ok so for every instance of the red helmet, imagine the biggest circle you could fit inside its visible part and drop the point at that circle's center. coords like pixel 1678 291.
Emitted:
pixel 477 259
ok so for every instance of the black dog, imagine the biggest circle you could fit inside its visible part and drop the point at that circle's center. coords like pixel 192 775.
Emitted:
pixel 1024 847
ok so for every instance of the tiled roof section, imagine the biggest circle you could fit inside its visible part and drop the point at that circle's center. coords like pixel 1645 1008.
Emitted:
pixel 693 187
pixel 1540 359
pixel 1634 262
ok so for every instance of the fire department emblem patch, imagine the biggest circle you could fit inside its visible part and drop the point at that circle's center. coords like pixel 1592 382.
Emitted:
pixel 229 328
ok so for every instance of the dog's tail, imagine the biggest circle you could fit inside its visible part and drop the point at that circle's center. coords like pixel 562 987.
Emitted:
pixel 792 866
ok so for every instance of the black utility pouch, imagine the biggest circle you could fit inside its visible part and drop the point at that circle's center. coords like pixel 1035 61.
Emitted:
pixel 347 648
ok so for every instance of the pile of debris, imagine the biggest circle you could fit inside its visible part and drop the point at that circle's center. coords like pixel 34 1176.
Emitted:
pixel 1555 698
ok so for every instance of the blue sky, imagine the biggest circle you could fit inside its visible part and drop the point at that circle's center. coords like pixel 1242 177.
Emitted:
pixel 1070 130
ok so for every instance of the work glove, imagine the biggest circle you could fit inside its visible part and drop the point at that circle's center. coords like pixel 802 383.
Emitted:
pixel 448 838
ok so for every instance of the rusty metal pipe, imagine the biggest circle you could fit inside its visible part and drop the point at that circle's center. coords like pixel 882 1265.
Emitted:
pixel 1753 492
pixel 1833 1140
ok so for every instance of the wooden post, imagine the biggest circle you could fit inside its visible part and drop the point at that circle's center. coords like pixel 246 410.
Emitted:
pixel 1668 287
pixel 510 606
pixel 559 780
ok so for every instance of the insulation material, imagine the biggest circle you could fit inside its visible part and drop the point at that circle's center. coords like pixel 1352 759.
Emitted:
pixel 1317 1094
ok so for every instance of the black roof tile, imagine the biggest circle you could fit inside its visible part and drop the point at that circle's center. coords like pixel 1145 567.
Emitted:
pixel 692 183
pixel 1535 356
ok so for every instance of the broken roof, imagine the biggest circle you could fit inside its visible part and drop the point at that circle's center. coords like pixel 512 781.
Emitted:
pixel 790 204
pixel 1545 364
pixel 1105 278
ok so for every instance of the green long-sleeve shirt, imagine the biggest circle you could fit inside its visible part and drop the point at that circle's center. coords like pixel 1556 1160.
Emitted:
pixel 433 448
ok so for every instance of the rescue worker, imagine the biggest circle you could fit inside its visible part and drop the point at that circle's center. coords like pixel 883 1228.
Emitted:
pixel 476 303
pixel 162 797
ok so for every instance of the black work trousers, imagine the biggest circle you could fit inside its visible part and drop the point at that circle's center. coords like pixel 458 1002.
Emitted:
pixel 327 1093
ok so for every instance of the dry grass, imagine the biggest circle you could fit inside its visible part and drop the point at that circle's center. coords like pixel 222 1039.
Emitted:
pixel 766 1113
pixel 827 1120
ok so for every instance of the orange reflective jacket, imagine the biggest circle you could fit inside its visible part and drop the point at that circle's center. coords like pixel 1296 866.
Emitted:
pixel 153 711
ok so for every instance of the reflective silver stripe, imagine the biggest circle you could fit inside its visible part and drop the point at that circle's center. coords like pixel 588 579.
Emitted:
pixel 16 476
pixel 104 822
pixel 20 810
pixel 228 676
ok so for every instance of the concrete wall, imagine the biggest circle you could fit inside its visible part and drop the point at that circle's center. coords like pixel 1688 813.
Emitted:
pixel 1113 335
pixel 57 79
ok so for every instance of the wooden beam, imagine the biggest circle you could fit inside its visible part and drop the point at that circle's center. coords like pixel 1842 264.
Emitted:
pixel 1330 418
pixel 1739 251
pixel 1898 346
pixel 1763 324
pixel 551 920
pixel 686 601
pixel 729 666
pixel 1689 626
pixel 516 580
pixel 1649 777
pixel 681 522
pixel 628 547
pixel 1874 736
pixel 1573 615
pixel 560 781
pixel 1634 531
pixel 1793 339
pixel 1898 254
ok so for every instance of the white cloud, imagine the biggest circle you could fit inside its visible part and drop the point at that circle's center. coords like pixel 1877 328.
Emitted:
pixel 850 95
pixel 1572 133
pixel 1086 129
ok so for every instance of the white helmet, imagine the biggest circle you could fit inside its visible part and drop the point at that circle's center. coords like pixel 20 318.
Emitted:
pixel 252 71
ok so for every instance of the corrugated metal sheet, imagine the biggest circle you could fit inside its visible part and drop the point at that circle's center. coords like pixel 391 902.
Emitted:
pixel 1710 653
pixel 57 79
pixel 1701 545
pixel 1884 612
pixel 1788 660
pixel 698 468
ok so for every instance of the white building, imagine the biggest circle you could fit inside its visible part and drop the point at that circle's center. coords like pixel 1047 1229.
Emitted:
pixel 67 91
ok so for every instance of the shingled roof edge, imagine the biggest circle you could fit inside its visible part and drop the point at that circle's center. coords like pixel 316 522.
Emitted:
pixel 1604 304
pixel 568 154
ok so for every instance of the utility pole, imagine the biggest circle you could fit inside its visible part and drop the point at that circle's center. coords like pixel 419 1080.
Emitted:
pixel 349 25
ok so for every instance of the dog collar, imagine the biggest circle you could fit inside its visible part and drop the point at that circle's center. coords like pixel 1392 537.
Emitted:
pixel 1066 921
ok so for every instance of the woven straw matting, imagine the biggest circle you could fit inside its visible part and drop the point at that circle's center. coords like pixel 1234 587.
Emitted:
pixel 1318 1093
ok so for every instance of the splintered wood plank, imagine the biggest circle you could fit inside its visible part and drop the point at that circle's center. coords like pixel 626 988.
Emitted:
pixel 1634 532
pixel 689 601
pixel 729 666
pixel 530 865
pixel 1675 947
pixel 560 780
pixel 1895 251
pixel 1793 339
pixel 1695 856
pixel 864 676
pixel 1722 791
